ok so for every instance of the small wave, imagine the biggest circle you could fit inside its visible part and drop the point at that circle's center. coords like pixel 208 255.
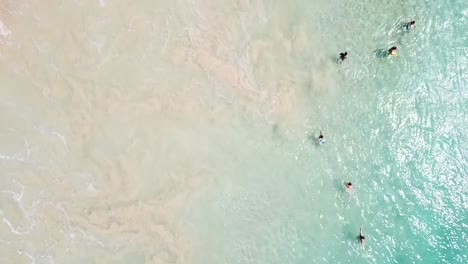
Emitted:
pixel 4 31
pixel 18 231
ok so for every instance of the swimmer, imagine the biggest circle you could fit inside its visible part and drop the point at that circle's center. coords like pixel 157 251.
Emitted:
pixel 361 237
pixel 393 51
pixel 411 25
pixel 343 56
pixel 348 186
pixel 320 138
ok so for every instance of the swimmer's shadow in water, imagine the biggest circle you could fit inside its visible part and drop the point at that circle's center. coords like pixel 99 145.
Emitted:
pixel 400 29
pixel 312 138
pixel 336 60
pixel 350 236
pixel 339 61
pixel 339 185
pixel 381 53
pixel 404 27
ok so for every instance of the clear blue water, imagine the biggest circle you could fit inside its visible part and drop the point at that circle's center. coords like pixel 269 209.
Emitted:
pixel 395 127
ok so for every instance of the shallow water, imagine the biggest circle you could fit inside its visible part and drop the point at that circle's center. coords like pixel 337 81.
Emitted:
pixel 182 132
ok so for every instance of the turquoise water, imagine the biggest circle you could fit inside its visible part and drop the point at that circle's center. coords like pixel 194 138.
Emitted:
pixel 395 127
pixel 182 132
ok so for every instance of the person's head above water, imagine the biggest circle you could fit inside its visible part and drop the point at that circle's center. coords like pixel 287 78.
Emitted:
pixel 349 184
pixel 393 51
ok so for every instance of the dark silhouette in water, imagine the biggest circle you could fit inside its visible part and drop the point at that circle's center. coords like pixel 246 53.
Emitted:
pixel 320 138
pixel 361 237
pixel 393 51
pixel 343 56
pixel 410 25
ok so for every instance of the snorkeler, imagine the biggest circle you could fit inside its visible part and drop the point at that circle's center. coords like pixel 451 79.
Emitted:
pixel 343 56
pixel 361 237
pixel 393 51
pixel 348 186
pixel 411 25
pixel 320 138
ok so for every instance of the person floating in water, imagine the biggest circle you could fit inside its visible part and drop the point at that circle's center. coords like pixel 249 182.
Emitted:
pixel 349 186
pixel 320 139
pixel 411 25
pixel 361 237
pixel 393 51
pixel 343 56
